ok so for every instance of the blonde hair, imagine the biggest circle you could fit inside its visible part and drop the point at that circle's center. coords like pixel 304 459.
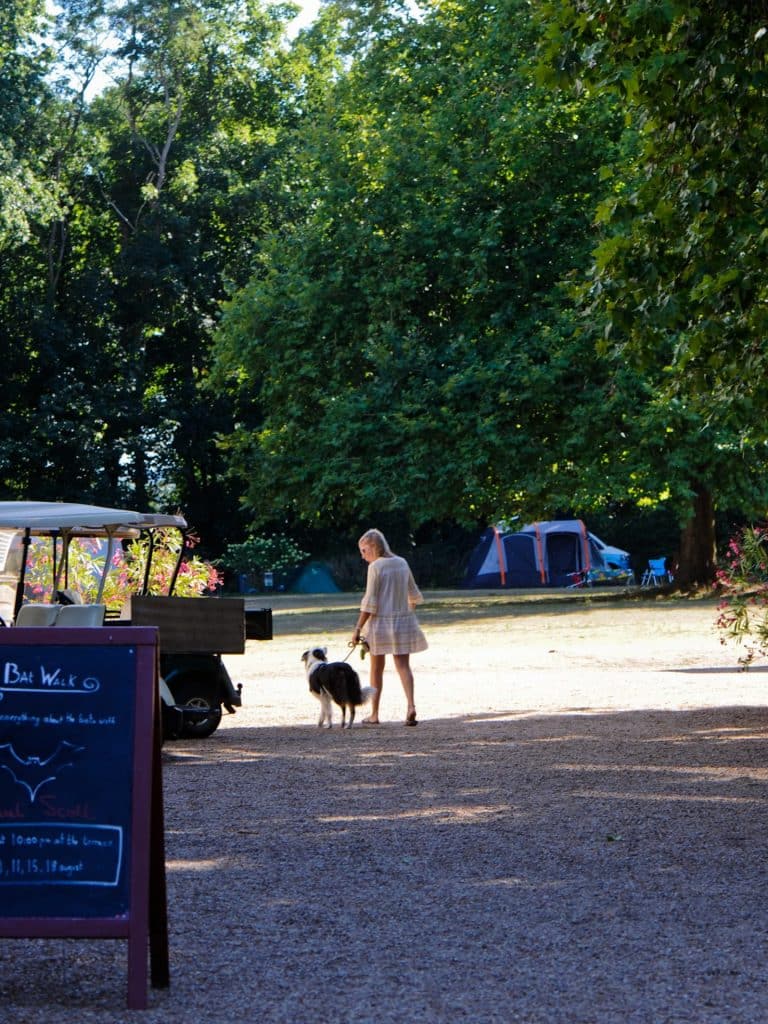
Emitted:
pixel 378 542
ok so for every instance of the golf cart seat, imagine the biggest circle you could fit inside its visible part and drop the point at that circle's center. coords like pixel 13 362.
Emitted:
pixel 37 615
pixel 81 615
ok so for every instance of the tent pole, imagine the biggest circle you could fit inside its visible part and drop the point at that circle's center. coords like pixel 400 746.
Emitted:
pixel 502 559
pixel 543 568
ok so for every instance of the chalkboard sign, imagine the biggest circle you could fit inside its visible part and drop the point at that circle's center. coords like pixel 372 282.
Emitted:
pixel 79 786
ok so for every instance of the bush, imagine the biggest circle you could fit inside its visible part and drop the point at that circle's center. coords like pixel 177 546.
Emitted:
pixel 743 584
pixel 273 553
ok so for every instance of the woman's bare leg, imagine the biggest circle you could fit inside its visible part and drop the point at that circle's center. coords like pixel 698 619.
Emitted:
pixel 377 681
pixel 403 666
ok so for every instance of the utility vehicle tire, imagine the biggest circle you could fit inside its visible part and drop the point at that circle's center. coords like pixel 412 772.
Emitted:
pixel 195 690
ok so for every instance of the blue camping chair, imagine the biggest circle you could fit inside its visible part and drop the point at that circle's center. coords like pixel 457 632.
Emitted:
pixel 656 574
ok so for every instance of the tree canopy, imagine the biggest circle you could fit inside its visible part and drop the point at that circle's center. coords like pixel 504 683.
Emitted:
pixel 26 195
pixel 405 338
pixel 443 263
pixel 678 281
pixel 110 304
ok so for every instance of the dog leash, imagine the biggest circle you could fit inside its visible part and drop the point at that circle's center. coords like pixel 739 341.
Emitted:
pixel 363 649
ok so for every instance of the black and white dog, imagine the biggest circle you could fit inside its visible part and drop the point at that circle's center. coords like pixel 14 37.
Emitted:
pixel 334 681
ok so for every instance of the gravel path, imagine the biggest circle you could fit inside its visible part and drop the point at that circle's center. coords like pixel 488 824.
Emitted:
pixel 574 833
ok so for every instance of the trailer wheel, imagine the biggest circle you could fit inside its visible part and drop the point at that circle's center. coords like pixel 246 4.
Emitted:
pixel 197 691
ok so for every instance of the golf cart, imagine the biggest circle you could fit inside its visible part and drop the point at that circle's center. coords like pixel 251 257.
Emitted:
pixel 193 632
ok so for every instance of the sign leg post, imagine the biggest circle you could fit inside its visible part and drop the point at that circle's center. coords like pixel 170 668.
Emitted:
pixel 158 896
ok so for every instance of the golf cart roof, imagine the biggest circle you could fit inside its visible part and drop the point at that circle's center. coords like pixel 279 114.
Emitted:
pixel 54 516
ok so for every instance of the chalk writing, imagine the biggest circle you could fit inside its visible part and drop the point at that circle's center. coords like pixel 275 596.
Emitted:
pixel 39 853
pixel 21 719
pixel 67 743
pixel 65 718
pixel 43 680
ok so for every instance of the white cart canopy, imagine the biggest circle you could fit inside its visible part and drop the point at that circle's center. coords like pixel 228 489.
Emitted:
pixel 54 516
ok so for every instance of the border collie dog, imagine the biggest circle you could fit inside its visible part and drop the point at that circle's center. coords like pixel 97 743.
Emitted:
pixel 334 682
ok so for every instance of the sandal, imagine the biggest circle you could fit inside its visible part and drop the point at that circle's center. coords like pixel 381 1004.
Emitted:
pixel 410 718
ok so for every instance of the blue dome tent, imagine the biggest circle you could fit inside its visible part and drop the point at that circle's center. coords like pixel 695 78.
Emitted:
pixel 550 553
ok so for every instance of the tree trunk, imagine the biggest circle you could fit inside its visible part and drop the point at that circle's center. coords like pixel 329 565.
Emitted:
pixel 140 477
pixel 696 558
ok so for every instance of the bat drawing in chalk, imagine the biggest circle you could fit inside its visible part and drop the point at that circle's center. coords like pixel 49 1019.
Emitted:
pixel 33 772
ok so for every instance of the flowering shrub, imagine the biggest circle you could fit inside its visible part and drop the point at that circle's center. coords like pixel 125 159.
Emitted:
pixel 126 573
pixel 273 553
pixel 195 574
pixel 743 583
pixel 86 558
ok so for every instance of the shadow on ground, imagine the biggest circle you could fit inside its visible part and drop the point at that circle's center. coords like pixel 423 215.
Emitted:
pixel 589 868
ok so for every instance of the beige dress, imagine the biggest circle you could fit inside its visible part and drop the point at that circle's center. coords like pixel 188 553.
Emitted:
pixel 390 594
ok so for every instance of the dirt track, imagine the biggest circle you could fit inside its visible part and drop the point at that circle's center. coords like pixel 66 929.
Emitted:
pixel 574 833
pixel 499 654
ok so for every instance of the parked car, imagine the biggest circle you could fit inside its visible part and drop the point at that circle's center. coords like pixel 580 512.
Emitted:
pixel 611 557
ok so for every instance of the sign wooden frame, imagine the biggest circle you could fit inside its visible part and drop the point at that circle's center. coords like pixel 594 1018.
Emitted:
pixel 123 895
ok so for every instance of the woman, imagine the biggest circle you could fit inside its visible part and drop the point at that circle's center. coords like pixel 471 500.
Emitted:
pixel 386 610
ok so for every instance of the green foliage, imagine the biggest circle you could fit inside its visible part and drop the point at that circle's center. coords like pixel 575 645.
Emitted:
pixel 677 287
pixel 403 339
pixel 126 573
pixel 268 553
pixel 678 278
pixel 106 313
pixel 393 204
pixel 28 196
